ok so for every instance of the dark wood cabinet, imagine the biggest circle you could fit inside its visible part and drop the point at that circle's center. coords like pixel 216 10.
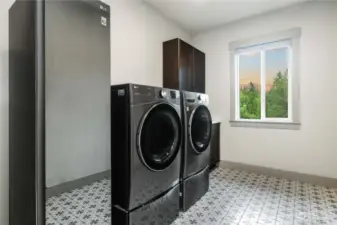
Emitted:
pixel 215 145
pixel 183 66
pixel 185 71
pixel 199 71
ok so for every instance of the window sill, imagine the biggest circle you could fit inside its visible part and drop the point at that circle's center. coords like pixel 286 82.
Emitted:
pixel 266 124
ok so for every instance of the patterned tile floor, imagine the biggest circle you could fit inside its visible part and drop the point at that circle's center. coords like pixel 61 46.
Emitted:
pixel 238 197
pixel 235 197
pixel 90 204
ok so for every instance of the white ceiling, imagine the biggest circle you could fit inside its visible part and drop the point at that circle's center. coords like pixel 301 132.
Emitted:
pixel 198 15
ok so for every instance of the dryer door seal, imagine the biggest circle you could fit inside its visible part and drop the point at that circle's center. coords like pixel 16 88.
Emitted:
pixel 200 128
pixel 159 137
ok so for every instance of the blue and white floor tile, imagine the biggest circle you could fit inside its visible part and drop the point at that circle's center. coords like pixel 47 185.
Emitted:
pixel 234 198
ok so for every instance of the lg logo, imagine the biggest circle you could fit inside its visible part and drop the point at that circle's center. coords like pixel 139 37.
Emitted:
pixel 103 8
pixel 103 21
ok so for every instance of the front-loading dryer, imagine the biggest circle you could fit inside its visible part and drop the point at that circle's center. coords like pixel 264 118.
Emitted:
pixel 146 137
pixel 197 124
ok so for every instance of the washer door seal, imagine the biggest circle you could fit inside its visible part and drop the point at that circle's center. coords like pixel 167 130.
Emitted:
pixel 159 137
pixel 200 128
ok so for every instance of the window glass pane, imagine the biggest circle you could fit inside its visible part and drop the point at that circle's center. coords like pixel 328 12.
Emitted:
pixel 250 85
pixel 277 83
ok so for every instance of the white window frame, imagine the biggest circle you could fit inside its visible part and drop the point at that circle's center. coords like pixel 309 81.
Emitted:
pixel 286 39
pixel 262 50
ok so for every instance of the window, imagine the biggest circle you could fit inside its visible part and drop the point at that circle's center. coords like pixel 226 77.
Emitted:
pixel 262 82
pixel 265 83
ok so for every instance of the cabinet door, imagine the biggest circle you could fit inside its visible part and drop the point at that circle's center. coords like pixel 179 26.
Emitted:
pixel 215 144
pixel 199 71
pixel 171 64
pixel 186 67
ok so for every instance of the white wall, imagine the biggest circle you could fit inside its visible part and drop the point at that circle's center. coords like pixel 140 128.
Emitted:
pixel 313 149
pixel 137 32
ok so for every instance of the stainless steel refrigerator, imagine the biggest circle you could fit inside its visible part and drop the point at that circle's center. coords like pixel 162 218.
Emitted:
pixel 59 102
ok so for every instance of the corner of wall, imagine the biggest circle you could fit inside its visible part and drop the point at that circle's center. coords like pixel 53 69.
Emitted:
pixel 175 23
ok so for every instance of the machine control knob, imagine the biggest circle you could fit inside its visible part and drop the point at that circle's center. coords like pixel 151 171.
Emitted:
pixel 163 93
pixel 201 98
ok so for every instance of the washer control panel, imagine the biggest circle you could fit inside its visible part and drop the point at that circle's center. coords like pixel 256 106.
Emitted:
pixel 169 94
pixel 142 94
pixel 175 94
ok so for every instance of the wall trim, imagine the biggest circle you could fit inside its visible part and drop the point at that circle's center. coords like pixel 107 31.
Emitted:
pixel 265 124
pixel 307 178
pixel 74 184
pixel 266 38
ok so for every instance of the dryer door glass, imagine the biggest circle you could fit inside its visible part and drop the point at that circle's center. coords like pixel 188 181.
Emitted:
pixel 160 137
pixel 200 128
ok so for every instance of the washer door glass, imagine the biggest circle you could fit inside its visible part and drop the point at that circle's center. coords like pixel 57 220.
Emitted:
pixel 160 137
pixel 201 129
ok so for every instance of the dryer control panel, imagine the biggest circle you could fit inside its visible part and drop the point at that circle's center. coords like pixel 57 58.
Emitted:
pixel 196 98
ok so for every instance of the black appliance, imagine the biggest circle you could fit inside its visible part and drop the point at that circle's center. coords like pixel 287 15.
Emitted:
pixel 59 99
pixel 146 136
pixel 197 123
